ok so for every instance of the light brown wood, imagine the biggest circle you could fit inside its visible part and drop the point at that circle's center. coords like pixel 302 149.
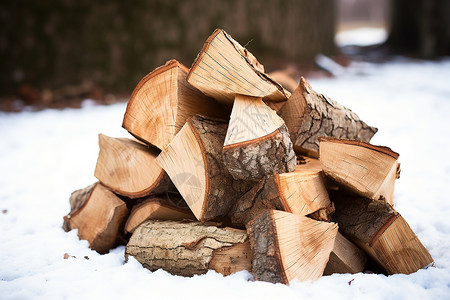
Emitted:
pixel 382 232
pixel 156 209
pixel 190 248
pixel 100 219
pixel 287 246
pixel 257 141
pixel 310 115
pixel 129 168
pixel 367 170
pixel 346 257
pixel 286 78
pixel 301 192
pixel 162 102
pixel 193 160
pixel 224 68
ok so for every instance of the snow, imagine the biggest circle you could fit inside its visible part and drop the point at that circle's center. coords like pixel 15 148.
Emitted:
pixel 46 155
pixel 363 36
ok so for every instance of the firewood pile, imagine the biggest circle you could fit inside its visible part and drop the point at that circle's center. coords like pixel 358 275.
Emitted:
pixel 230 171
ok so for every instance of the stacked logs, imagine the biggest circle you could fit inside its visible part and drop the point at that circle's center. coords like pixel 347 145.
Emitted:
pixel 229 171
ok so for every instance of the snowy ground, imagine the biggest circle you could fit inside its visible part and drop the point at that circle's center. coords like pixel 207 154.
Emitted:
pixel 46 155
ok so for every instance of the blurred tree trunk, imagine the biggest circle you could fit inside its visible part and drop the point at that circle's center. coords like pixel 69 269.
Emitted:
pixel 52 43
pixel 420 27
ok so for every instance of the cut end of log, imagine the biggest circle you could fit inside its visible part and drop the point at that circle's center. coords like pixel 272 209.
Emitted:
pixel 129 168
pixel 214 72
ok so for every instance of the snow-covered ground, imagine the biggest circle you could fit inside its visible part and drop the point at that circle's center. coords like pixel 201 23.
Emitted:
pixel 46 155
pixel 363 36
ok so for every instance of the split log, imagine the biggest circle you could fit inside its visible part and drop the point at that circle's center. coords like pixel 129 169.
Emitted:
pixel 309 115
pixel 156 209
pixel 381 232
pixel 257 141
pixel 162 102
pixel 193 160
pixel 129 168
pixel 188 249
pixel 224 68
pixel 346 257
pixel 98 214
pixel 302 192
pixel 365 169
pixel 287 246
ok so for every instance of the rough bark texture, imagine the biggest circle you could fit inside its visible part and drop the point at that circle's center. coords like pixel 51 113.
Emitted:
pixel 181 248
pixel 266 265
pixel 264 195
pixel 360 218
pixel 309 115
pixel 253 160
pixel 323 214
pixel 222 190
pixel 77 200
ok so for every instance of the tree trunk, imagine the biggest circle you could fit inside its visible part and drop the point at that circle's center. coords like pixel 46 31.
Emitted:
pixel 310 115
pixel 129 168
pixel 189 249
pixel 287 246
pixel 194 162
pixel 257 141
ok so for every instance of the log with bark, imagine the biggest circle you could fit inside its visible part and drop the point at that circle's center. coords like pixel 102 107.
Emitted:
pixel 224 68
pixel 156 208
pixel 382 232
pixel 189 249
pixel 302 192
pixel 194 162
pixel 162 102
pixel 365 169
pixel 287 246
pixel 98 214
pixel 129 168
pixel 310 115
pixel 257 141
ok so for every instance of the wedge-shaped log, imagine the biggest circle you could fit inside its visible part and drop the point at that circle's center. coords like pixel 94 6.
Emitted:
pixel 346 257
pixel 224 68
pixel 309 115
pixel 156 209
pixel 98 214
pixel 190 248
pixel 194 162
pixel 365 169
pixel 301 192
pixel 257 141
pixel 382 232
pixel 162 102
pixel 129 168
pixel 287 246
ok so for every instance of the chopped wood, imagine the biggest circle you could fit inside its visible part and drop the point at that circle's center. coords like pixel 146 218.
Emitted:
pixel 156 209
pixel 224 68
pixel 193 160
pixel 129 168
pixel 190 248
pixel 257 141
pixel 287 246
pixel 382 232
pixel 99 215
pixel 302 192
pixel 162 102
pixel 346 257
pixel 365 169
pixel 310 115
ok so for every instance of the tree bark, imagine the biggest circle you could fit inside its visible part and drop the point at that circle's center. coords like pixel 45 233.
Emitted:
pixel 310 115
pixel 189 249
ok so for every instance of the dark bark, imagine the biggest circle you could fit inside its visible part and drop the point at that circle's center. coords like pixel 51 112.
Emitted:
pixel 252 160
